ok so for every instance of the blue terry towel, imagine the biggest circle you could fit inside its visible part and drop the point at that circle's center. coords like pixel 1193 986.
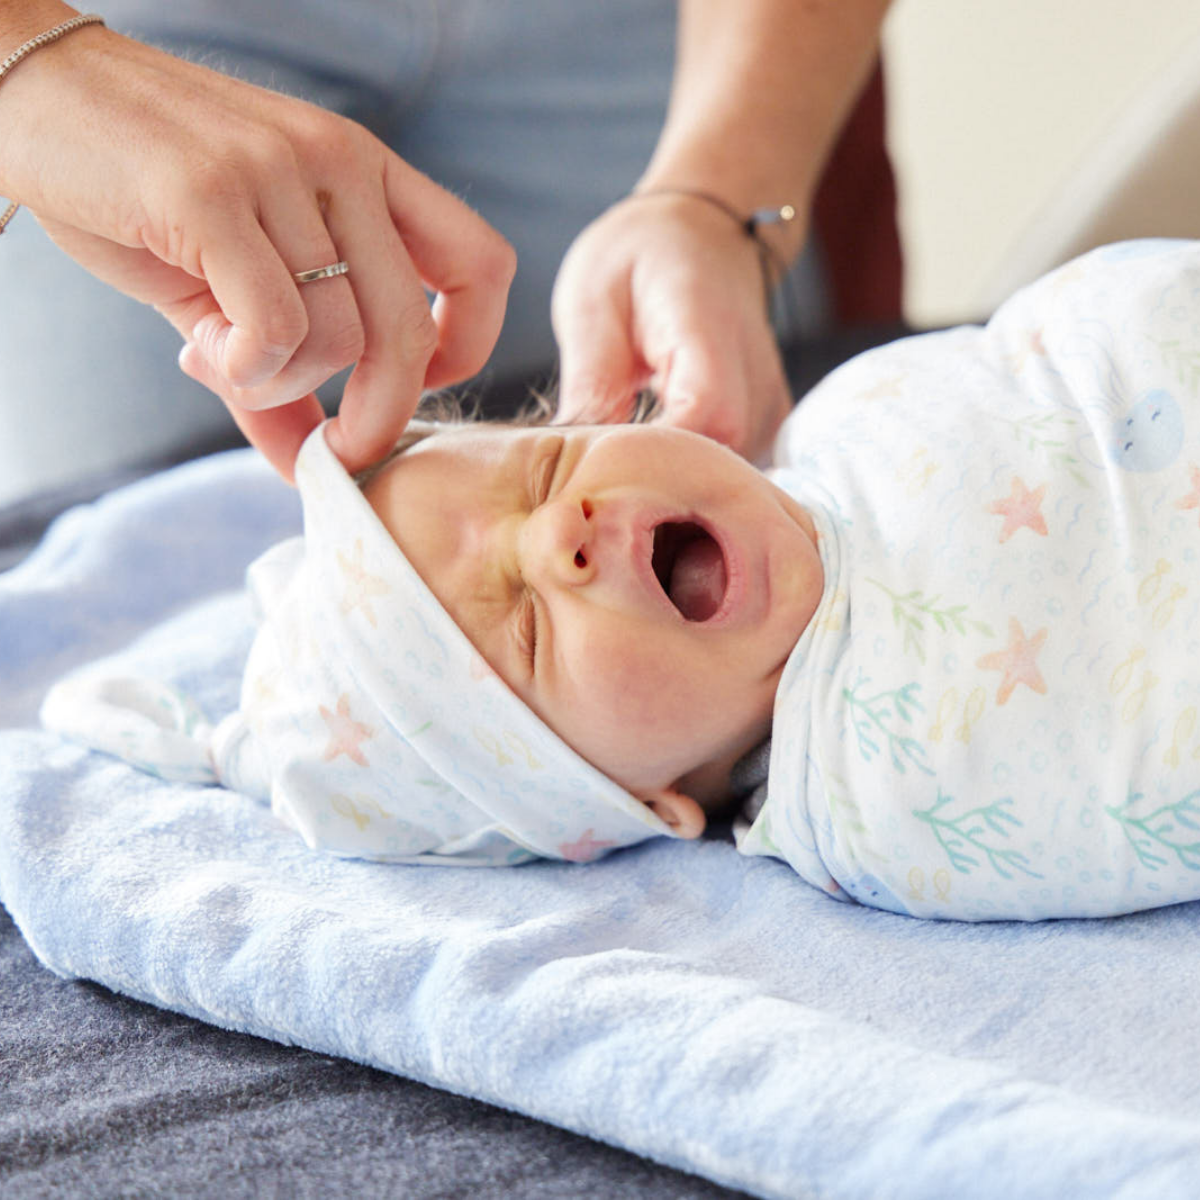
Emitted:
pixel 706 1010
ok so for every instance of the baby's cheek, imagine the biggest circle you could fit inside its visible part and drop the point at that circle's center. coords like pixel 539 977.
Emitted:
pixel 641 694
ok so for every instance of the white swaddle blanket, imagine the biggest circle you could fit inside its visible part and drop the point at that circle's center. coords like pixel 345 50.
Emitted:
pixel 994 712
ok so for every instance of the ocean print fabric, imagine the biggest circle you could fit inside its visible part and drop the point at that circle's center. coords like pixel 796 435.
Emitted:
pixel 995 712
pixel 367 718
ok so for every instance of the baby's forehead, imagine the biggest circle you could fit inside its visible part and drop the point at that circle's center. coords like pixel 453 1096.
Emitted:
pixel 483 442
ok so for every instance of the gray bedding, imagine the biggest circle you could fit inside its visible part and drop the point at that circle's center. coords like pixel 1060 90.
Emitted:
pixel 103 1096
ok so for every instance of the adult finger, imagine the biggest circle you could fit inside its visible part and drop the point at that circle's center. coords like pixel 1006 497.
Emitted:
pixel 399 336
pixel 263 319
pixel 704 387
pixel 277 433
pixel 295 222
pixel 601 371
pixel 461 257
pixel 419 237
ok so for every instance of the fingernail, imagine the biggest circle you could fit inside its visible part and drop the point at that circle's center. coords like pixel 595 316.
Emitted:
pixel 337 443
pixel 191 360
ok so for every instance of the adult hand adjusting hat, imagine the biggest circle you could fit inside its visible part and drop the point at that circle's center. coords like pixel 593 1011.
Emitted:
pixel 367 717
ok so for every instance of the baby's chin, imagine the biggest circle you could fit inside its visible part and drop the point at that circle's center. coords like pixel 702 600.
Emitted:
pixel 708 781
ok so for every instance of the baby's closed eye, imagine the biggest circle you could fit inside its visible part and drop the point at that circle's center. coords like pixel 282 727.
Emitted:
pixel 545 465
pixel 526 628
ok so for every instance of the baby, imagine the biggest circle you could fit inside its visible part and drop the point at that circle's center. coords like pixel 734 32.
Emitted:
pixel 519 642
pixel 950 644
pixel 639 588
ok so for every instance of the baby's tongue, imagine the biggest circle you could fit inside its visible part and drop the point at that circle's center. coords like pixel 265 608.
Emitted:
pixel 697 584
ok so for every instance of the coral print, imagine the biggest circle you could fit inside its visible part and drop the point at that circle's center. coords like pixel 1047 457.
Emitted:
pixel 1055 774
pixel 881 717
pixel 1044 435
pixel 911 610
pixel 977 835
pixel 1156 834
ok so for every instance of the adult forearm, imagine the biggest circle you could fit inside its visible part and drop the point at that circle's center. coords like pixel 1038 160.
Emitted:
pixel 761 90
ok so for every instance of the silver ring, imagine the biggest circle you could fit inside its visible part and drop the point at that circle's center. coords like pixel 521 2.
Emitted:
pixel 337 268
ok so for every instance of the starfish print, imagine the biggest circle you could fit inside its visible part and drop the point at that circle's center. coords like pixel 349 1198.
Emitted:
pixel 480 669
pixel 583 849
pixel 1192 499
pixel 1034 348
pixel 1021 508
pixel 345 733
pixel 361 586
pixel 1018 661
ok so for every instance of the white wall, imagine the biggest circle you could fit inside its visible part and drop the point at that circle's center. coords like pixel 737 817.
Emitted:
pixel 994 107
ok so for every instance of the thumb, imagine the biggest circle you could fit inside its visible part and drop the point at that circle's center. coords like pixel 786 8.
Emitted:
pixel 703 392
pixel 277 433
pixel 600 372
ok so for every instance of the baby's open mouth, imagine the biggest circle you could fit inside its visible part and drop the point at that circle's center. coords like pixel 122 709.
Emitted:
pixel 690 568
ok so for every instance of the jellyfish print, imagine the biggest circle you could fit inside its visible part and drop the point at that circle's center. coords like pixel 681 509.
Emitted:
pixel 1140 432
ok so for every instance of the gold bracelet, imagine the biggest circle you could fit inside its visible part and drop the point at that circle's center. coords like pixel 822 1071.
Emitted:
pixel 24 51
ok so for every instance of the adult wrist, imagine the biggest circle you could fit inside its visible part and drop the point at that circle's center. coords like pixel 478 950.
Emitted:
pixel 745 197
pixel 753 225
pixel 20 21
pixel 30 46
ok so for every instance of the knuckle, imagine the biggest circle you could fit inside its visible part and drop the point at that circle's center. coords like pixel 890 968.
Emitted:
pixel 344 343
pixel 498 262
pixel 328 140
pixel 420 333
pixel 268 154
pixel 215 183
pixel 281 329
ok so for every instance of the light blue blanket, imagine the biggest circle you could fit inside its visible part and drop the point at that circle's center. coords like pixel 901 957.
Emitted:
pixel 706 1010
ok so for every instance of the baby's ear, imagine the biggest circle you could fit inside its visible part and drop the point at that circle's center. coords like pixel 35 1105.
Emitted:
pixel 685 817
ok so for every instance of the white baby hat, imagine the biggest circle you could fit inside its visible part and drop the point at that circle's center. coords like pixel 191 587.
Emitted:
pixel 367 717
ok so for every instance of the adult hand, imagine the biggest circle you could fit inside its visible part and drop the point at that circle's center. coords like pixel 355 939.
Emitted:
pixel 666 292
pixel 202 195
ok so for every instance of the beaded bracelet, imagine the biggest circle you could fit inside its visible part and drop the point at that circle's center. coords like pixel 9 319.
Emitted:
pixel 773 266
pixel 24 51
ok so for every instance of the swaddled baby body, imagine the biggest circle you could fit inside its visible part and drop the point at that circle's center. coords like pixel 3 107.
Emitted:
pixel 993 713
pixel 964 608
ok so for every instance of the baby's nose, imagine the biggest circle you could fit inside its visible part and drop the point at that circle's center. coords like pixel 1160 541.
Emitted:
pixel 557 543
